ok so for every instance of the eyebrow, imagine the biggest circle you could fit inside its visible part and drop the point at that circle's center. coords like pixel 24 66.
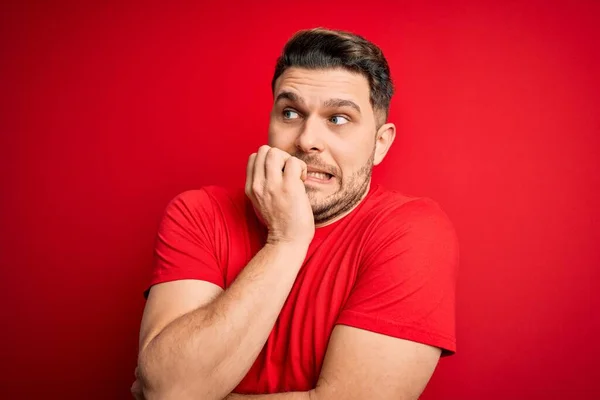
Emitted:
pixel 289 96
pixel 337 103
pixel 333 103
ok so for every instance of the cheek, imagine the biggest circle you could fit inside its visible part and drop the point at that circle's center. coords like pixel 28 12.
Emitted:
pixel 280 136
pixel 351 155
pixel 346 165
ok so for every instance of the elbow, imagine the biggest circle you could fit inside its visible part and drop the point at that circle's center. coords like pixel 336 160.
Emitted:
pixel 155 379
pixel 158 381
pixel 152 385
pixel 149 378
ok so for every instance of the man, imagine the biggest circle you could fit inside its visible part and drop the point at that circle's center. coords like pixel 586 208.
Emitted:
pixel 311 284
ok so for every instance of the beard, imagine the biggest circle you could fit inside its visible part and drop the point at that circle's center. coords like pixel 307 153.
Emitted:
pixel 351 189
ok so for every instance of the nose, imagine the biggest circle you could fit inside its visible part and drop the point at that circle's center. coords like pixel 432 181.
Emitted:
pixel 310 137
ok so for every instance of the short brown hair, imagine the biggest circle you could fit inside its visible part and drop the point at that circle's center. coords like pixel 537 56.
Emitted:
pixel 321 48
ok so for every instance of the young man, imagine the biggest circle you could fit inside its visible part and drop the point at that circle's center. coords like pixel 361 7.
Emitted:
pixel 311 284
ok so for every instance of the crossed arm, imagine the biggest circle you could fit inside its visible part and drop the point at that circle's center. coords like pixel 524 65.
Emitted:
pixel 366 365
pixel 198 341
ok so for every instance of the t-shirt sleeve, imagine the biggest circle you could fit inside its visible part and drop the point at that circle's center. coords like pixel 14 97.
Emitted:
pixel 405 286
pixel 185 242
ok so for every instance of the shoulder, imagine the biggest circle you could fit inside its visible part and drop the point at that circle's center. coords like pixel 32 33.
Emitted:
pixel 208 196
pixel 394 207
pixel 206 201
pixel 410 238
pixel 396 217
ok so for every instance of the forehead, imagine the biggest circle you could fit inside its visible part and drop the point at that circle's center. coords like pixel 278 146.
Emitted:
pixel 321 84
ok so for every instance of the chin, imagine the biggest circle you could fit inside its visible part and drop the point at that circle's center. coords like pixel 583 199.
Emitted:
pixel 317 196
pixel 314 199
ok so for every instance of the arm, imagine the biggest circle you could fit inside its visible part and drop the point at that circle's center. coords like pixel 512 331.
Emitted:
pixel 198 341
pixel 275 396
pixel 405 291
pixel 360 364
pixel 209 350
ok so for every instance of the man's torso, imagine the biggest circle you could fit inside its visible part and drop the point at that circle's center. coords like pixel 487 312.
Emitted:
pixel 293 354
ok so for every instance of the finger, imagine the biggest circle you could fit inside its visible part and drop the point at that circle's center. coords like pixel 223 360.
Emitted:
pixel 274 165
pixel 294 169
pixel 250 173
pixel 258 175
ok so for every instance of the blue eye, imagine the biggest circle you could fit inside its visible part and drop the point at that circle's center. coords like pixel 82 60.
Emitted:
pixel 339 120
pixel 290 114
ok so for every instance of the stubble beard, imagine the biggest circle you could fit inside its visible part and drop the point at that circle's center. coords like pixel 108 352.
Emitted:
pixel 351 190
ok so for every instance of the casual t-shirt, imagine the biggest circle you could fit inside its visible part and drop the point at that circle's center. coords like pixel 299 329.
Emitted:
pixel 388 267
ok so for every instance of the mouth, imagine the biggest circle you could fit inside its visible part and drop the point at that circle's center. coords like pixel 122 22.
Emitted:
pixel 314 175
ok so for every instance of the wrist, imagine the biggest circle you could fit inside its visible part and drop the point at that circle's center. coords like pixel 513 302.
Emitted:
pixel 290 244
pixel 296 249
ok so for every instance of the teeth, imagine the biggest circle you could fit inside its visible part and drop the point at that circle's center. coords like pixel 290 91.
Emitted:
pixel 319 175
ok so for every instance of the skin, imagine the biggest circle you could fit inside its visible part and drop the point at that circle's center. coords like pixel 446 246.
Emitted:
pixel 325 118
pixel 191 343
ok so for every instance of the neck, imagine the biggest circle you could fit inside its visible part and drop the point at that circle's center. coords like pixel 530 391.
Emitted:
pixel 342 215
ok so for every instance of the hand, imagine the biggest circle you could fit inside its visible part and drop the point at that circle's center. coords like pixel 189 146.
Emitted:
pixel 275 185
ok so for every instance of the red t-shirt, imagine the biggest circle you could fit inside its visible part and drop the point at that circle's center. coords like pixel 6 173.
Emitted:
pixel 388 267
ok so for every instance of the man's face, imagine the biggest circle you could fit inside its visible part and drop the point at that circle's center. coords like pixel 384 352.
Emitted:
pixel 325 118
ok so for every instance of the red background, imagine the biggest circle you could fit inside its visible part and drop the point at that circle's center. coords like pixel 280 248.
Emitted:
pixel 109 110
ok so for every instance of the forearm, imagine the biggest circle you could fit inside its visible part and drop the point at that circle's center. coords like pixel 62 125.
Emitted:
pixel 275 396
pixel 206 353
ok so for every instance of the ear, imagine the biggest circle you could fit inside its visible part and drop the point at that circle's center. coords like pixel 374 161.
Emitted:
pixel 383 141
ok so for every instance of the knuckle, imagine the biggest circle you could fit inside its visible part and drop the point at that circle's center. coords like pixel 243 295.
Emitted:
pixel 285 189
pixel 294 161
pixel 271 191
pixel 281 154
pixel 272 155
